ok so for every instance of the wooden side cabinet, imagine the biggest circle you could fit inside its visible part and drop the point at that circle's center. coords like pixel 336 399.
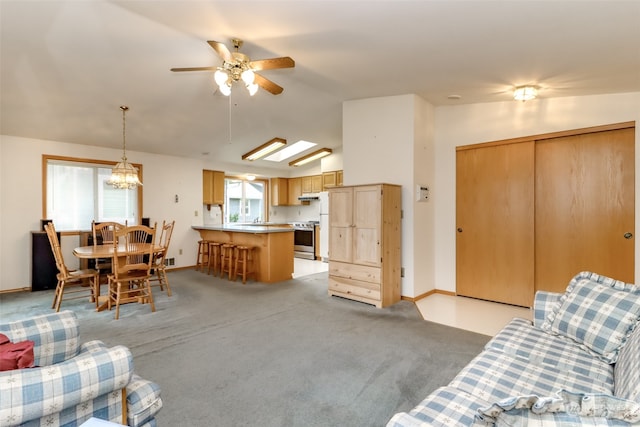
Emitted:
pixel 212 187
pixel 365 234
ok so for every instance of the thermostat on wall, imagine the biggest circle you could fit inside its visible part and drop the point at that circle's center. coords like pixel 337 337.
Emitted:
pixel 422 193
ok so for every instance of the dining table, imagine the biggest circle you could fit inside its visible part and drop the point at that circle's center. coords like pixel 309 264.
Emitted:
pixel 106 251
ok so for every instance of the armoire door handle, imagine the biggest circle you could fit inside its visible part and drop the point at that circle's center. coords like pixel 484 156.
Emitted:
pixel 628 235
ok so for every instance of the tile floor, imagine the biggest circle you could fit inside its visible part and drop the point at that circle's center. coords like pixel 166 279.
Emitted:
pixel 478 316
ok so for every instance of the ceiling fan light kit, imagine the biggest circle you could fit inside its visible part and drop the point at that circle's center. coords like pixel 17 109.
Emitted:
pixel 237 66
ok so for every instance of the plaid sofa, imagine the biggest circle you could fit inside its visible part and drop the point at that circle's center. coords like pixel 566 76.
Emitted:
pixel 72 382
pixel 577 363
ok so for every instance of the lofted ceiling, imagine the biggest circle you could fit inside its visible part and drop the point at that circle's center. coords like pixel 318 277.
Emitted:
pixel 67 66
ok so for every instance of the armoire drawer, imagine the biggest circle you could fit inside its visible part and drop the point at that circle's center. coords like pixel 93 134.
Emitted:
pixel 354 287
pixel 355 272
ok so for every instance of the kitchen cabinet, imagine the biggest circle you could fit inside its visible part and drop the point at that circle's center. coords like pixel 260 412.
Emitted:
pixel 328 180
pixel 311 184
pixel 212 187
pixel 365 243
pixel 338 178
pixel 295 191
pixel 279 191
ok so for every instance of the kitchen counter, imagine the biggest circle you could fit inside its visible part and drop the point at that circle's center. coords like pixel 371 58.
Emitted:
pixel 247 228
pixel 273 253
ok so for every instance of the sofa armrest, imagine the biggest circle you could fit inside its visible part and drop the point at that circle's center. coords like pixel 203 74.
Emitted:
pixel 543 304
pixel 143 401
pixel 28 394
pixel 55 336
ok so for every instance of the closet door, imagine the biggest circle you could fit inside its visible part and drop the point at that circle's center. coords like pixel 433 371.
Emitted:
pixel 584 207
pixel 495 223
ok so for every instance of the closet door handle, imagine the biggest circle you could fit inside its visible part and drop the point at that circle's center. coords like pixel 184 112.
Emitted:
pixel 628 235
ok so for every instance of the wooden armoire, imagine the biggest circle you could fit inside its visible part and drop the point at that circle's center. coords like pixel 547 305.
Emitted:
pixel 365 243
pixel 532 212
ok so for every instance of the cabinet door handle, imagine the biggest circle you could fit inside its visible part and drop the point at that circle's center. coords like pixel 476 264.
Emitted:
pixel 628 235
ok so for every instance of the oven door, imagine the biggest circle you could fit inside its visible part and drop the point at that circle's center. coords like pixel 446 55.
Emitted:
pixel 304 243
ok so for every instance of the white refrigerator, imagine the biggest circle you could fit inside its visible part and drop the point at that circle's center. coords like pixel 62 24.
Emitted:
pixel 324 226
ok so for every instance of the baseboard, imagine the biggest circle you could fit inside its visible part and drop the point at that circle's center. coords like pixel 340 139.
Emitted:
pixel 428 293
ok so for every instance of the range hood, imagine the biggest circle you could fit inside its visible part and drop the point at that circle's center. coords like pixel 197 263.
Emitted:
pixel 309 197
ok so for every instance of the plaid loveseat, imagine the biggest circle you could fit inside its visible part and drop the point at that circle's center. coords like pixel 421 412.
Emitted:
pixel 577 363
pixel 72 382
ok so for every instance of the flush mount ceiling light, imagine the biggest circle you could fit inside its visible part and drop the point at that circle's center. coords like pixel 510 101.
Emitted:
pixel 264 149
pixel 525 93
pixel 124 175
pixel 311 157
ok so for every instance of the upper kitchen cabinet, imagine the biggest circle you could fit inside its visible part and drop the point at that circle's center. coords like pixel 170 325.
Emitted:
pixel 295 191
pixel 331 179
pixel 279 191
pixel 212 187
pixel 311 184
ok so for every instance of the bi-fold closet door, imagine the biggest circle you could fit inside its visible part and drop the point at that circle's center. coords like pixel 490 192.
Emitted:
pixel 533 212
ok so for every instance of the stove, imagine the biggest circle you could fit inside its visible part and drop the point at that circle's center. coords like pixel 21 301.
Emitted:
pixel 304 239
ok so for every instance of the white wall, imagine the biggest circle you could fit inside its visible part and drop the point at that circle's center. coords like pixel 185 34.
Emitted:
pixel 477 123
pixel 390 140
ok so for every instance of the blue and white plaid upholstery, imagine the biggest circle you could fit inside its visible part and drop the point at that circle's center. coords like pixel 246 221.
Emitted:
pixel 445 407
pixel 494 375
pixel 543 304
pixel 55 336
pixel 520 338
pixel 29 394
pixel 597 312
pixel 72 382
pixel 525 364
pixel 627 369
pixel 143 401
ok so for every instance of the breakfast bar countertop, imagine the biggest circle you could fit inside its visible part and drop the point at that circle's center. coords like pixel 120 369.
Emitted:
pixel 255 228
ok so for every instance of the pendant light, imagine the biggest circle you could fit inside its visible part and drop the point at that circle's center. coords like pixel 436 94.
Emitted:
pixel 124 175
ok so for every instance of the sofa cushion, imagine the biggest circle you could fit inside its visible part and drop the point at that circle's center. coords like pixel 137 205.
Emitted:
pixel 562 409
pixel 597 312
pixel 520 338
pixel 494 375
pixel 627 369
pixel 55 336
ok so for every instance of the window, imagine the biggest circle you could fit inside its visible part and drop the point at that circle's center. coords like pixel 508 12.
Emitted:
pixel 244 200
pixel 76 193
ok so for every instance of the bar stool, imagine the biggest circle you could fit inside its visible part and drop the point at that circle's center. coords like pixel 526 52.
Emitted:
pixel 214 257
pixel 202 258
pixel 226 259
pixel 244 258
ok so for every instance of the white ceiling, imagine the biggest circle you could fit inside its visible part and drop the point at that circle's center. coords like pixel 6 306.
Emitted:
pixel 67 66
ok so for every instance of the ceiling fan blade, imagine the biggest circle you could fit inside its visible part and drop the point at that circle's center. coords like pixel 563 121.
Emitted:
pixel 268 85
pixel 273 63
pixel 221 49
pixel 195 69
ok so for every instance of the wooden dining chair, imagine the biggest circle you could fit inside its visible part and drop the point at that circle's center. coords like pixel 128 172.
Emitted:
pixel 103 234
pixel 80 283
pixel 131 272
pixel 159 258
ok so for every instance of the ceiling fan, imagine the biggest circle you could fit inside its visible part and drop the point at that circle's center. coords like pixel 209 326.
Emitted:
pixel 237 66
